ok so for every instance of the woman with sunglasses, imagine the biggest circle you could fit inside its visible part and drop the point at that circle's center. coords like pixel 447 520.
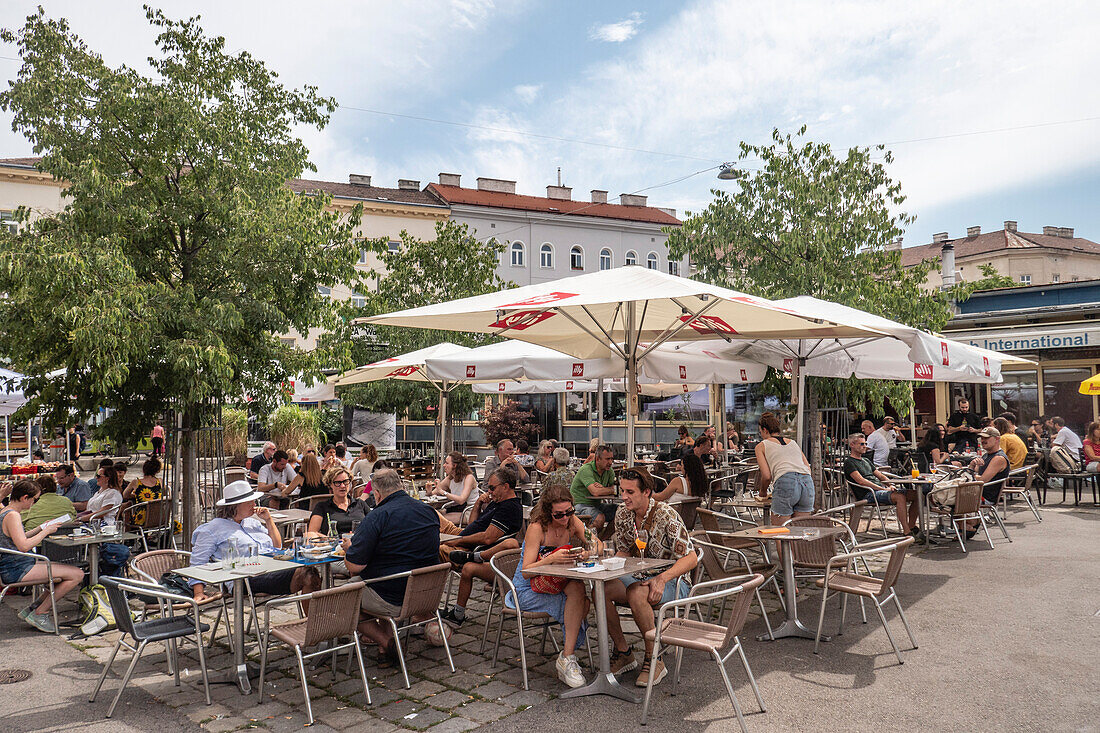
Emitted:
pixel 555 535
pixel 341 509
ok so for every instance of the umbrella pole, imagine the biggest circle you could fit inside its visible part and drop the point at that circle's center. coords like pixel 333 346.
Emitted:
pixel 588 413
pixel 444 395
pixel 720 423
pixel 7 439
pixel 631 379
pixel 800 430
pixel 599 410
pixel 912 417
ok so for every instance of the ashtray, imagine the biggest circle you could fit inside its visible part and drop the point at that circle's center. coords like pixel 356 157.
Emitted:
pixel 614 563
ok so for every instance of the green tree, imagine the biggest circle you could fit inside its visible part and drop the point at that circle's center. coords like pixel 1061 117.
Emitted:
pixel 453 265
pixel 180 254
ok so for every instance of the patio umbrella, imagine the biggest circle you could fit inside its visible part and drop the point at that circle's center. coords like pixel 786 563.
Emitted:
pixel 623 314
pixel 11 399
pixel 1090 386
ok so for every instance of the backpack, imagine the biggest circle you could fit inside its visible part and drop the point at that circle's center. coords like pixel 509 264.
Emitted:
pixel 1062 460
pixel 96 607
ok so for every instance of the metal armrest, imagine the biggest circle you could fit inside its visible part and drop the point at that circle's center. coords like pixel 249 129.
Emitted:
pixel 395 576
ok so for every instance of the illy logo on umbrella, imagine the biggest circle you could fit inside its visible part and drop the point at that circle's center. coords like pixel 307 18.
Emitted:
pixel 569 386
pixel 708 324
pixel 500 387
pixel 744 376
pixel 683 372
pixel 521 320
pixel 922 371
pixel 541 299
pixel 471 371
pixel 985 365
pixel 943 351
pixel 788 366
pixel 402 372
pixel 578 369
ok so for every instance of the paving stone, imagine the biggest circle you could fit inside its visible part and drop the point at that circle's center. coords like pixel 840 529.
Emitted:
pixel 483 712
pixel 425 718
pixel 269 709
pixel 379 696
pixel 485 667
pixel 344 718
pixel 525 699
pixel 396 711
pixel 423 689
pixel 220 725
pixel 454 725
pixel 449 699
pixel 348 688
pixel 374 725
pixel 295 721
pixel 201 711
pixel 495 689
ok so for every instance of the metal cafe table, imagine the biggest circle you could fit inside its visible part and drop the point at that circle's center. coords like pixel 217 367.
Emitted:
pixel 92 542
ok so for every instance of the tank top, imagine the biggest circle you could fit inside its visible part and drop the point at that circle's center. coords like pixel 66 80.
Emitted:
pixel 455 487
pixel 784 459
pixel 6 542
pixel 1003 474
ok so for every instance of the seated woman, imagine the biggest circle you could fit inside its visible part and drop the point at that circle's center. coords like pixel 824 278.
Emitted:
pixel 241 523
pixel 1091 446
pixel 692 483
pixel 146 488
pixel 458 484
pixel 16 568
pixel 364 467
pixel 341 510
pixel 683 442
pixel 556 536
pixel 308 482
pixel 544 461
pixel 932 445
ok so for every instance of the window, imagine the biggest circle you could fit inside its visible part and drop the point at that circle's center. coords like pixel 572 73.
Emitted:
pixel 288 341
pixel 395 246
pixel 1025 279
pixel 358 300
pixel 605 259
pixel 363 256
pixel 631 257
pixel 546 256
pixel 518 254
pixel 1056 278
pixel 325 291
pixel 651 261
pixel 8 222
pixel 673 268
pixel 576 258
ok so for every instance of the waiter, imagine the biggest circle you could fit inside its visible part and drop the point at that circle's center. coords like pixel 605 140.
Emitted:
pixel 962 428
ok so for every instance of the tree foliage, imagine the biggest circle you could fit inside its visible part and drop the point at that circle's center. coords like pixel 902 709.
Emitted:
pixel 507 421
pixel 453 265
pixel 180 254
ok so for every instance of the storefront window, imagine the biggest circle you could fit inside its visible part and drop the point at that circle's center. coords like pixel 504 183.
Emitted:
pixel 575 406
pixel 1060 396
pixel 974 393
pixel 1017 393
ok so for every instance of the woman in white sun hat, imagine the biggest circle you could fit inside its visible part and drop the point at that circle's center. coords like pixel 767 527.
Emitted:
pixel 240 521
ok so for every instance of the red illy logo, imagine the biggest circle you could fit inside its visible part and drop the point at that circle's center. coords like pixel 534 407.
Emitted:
pixel 788 366
pixel 985 365
pixel 685 389
pixel 708 324
pixel 578 369
pixel 402 372
pixel 683 372
pixel 569 386
pixel 744 376
pixel 500 387
pixel 541 300
pixel 521 320
pixel 471 371
pixel 943 351
pixel 384 361
pixel 922 371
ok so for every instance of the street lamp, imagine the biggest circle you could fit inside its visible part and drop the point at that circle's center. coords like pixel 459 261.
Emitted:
pixel 727 172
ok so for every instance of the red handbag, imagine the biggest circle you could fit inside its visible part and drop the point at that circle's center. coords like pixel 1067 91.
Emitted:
pixel 549 584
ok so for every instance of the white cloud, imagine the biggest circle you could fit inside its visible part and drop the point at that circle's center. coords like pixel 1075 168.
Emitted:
pixel 619 32
pixel 527 93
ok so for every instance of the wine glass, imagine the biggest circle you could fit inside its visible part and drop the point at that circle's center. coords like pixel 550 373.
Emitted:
pixel 641 541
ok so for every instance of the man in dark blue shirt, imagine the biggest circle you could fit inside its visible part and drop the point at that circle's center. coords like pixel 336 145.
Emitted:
pixel 497 513
pixel 401 534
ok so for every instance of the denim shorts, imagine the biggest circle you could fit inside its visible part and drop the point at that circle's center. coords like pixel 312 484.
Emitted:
pixel 673 589
pixel 14 567
pixel 591 510
pixel 881 497
pixel 792 492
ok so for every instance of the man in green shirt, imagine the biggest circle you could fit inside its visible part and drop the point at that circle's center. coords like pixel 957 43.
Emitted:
pixel 49 506
pixel 595 479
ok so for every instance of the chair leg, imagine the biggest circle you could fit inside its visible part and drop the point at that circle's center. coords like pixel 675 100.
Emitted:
pixel 401 652
pixel 488 616
pixel 202 666
pixel 126 678
pixel 362 668
pixel 649 685
pixel 752 677
pixel 729 689
pixel 763 612
pixel 985 528
pixel 905 621
pixel 106 669
pixel 446 644
pixel 820 619
pixel 173 660
pixel 679 662
pixel 1031 506
pixel 263 668
pixel 843 612
pixel 305 687
pixel 496 646
pixel 882 617
pixel 960 533
pixel 522 645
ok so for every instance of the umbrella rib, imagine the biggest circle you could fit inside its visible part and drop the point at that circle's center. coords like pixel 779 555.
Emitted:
pixel 588 331
pixel 684 322
pixel 599 326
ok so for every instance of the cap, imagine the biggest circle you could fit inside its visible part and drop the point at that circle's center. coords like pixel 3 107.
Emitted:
pixel 989 432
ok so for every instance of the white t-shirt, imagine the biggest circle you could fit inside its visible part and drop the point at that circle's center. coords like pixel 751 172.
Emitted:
pixel 889 436
pixel 268 475
pixel 1069 439
pixel 363 468
pixel 878 448
pixel 103 499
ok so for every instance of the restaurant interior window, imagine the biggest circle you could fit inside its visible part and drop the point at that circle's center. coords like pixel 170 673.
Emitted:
pixel 1060 396
pixel 576 258
pixel 974 393
pixel 575 405
pixel 631 257
pixel 651 261
pixel 546 256
pixel 518 254
pixel 605 259
pixel 1017 393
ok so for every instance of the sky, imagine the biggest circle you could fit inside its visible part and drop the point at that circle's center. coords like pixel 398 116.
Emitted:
pixel 988 107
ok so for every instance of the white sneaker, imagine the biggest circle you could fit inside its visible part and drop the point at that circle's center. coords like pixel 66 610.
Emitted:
pixel 569 671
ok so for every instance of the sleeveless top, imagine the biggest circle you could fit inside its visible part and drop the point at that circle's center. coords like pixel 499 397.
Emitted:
pixel 1003 474
pixel 455 487
pixel 783 458
pixel 6 542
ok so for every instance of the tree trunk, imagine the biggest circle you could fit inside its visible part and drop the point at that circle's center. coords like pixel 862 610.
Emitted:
pixel 813 433
pixel 189 504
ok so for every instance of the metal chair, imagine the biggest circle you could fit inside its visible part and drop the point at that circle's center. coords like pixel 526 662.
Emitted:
pixel 168 628
pixel 968 505
pixel 839 578
pixel 990 507
pixel 718 526
pixel 812 556
pixel 423 592
pixel 150 566
pixel 156 522
pixel 308 502
pixel 878 510
pixel 333 615
pixel 1012 488
pixel 48 581
pixel 674 630
pixel 715 561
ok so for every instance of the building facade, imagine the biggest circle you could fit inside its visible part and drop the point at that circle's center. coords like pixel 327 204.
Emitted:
pixel 551 237
pixel 1055 256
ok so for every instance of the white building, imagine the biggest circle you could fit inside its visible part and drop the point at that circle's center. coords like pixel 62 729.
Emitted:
pixel 553 237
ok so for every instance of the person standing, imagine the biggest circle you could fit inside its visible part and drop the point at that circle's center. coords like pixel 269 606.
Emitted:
pixel 963 427
pixel 877 446
pixel 75 443
pixel 783 464
pixel 156 437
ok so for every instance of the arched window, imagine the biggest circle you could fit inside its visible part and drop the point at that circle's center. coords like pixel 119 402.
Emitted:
pixel 518 253
pixel 576 258
pixel 631 257
pixel 606 262
pixel 546 256
pixel 651 262
pixel 673 267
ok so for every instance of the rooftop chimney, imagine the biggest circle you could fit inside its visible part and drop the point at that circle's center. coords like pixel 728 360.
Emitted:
pixel 496 184
pixel 939 238
pixel 359 180
pixel 1010 226
pixel 973 231
pixel 450 179
pixel 406 185
pixel 1067 232
pixel 670 212
pixel 947 264
pixel 598 196
pixel 894 246
pixel 1051 231
pixel 561 193
pixel 628 199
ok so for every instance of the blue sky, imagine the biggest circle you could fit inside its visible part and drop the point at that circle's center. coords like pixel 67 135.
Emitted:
pixel 688 80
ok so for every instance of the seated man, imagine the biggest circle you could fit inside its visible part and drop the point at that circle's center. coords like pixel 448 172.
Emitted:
pixel 399 535
pixel 870 484
pixel 49 504
pixel 594 480
pixel 239 522
pixel 72 487
pixel 277 475
pixel 995 469
pixel 505 457
pixel 497 513
pixel 647 528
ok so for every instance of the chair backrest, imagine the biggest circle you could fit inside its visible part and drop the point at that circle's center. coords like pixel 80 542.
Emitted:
pixel 709 559
pixel 968 498
pixel 688 509
pixel 814 553
pixel 158 562
pixel 713 523
pixel 893 565
pixel 236 473
pixel 333 613
pixel 708 519
pixel 424 590
pixel 120 606
pixel 158 514
pixel 740 611
pixel 504 565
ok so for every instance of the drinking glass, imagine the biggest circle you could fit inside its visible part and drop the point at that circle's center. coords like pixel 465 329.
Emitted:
pixel 96 525
pixel 916 472
pixel 641 541
pixel 811 532
pixel 253 555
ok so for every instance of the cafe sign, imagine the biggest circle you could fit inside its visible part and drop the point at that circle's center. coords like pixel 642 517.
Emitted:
pixel 1030 340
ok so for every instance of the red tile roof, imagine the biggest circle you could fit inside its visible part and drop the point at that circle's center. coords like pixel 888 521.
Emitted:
pixel 996 242
pixel 27 162
pixel 360 191
pixel 498 200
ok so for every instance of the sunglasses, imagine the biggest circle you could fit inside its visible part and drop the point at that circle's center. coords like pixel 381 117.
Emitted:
pixel 341 482
pixel 631 475
pixel 563 515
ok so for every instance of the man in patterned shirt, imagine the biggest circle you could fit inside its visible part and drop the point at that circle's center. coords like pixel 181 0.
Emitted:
pixel 646 528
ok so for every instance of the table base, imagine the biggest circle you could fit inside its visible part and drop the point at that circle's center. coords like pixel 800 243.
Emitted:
pixel 604 683
pixel 792 628
pixel 240 676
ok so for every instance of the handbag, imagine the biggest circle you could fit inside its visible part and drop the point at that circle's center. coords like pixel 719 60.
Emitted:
pixel 549 584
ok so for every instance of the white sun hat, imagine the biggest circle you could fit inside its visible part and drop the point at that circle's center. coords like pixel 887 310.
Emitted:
pixel 239 492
